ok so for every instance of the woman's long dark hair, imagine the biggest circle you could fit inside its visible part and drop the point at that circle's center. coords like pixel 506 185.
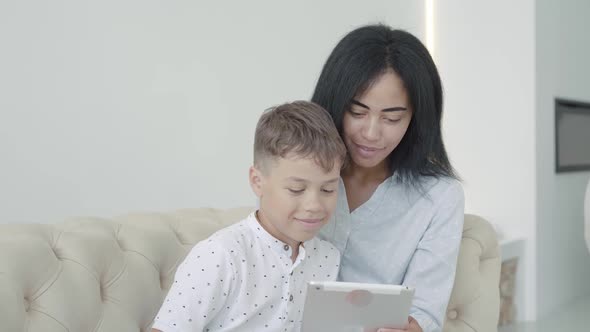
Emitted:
pixel 357 61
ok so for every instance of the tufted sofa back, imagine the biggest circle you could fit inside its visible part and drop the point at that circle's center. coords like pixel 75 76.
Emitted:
pixel 91 274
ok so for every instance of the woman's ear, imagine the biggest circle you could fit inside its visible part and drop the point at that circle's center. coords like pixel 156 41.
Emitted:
pixel 256 180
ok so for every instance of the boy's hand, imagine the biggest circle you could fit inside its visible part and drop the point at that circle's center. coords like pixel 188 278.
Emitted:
pixel 412 326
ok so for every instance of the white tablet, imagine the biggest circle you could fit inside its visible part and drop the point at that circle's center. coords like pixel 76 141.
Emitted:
pixel 347 306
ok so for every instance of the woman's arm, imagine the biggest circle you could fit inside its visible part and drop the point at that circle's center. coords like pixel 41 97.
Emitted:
pixel 431 270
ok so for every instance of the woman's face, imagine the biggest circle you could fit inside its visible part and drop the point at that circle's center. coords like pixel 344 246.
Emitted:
pixel 377 121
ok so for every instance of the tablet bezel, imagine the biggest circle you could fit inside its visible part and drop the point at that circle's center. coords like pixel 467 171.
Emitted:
pixel 327 308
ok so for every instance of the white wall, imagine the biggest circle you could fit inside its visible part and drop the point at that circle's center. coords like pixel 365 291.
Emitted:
pixel 116 106
pixel 503 63
pixel 485 53
pixel 563 70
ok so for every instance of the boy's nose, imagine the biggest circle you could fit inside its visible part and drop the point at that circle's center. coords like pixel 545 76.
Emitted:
pixel 312 203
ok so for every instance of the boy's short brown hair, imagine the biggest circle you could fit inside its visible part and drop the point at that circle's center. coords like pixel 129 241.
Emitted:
pixel 303 128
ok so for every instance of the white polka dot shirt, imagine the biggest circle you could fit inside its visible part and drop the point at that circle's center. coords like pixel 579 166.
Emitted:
pixel 243 279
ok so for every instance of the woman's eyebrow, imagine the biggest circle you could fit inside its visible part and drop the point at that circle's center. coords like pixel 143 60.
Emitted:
pixel 390 109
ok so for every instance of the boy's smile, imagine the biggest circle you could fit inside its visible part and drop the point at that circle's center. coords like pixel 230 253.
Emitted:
pixel 311 223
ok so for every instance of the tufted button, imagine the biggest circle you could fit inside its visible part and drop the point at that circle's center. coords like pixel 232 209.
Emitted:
pixel 102 294
pixel 452 314
pixel 56 253
pixel 120 243
pixel 27 304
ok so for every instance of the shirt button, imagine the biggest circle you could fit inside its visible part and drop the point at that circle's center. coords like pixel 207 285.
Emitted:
pixel 291 298
pixel 286 247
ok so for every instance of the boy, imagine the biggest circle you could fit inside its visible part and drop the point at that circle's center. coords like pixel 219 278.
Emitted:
pixel 252 276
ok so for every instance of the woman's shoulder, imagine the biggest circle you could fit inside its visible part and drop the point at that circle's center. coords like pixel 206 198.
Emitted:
pixel 446 186
pixel 447 194
pixel 438 189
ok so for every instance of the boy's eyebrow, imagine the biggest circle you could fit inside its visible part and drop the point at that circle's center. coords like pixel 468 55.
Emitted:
pixel 296 179
pixel 390 109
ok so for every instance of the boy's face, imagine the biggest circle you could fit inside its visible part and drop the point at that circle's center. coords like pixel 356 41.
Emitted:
pixel 297 197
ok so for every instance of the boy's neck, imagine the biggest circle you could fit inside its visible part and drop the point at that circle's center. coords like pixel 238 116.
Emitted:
pixel 271 230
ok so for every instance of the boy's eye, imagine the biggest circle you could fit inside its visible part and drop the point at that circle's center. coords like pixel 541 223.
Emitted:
pixel 296 191
pixel 327 191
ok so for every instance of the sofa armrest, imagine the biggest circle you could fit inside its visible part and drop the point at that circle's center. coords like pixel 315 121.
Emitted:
pixel 475 299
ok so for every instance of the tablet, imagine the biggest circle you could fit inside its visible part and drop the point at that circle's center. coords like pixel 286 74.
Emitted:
pixel 347 306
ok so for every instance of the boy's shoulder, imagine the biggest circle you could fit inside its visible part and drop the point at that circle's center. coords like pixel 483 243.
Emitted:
pixel 323 259
pixel 322 248
pixel 232 236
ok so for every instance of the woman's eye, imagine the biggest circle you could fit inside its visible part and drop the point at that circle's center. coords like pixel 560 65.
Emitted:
pixel 327 191
pixel 295 191
pixel 393 120
pixel 355 114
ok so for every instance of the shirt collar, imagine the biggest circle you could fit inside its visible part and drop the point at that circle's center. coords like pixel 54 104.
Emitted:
pixel 272 242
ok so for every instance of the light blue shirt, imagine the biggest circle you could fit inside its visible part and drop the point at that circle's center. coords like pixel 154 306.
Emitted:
pixel 403 236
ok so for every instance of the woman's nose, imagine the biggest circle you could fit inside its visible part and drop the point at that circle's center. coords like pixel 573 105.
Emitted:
pixel 371 130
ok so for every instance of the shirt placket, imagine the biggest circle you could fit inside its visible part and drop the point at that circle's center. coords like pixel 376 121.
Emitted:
pixel 292 279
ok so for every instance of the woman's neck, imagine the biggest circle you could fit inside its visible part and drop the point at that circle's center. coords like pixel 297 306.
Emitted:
pixel 361 183
pixel 366 175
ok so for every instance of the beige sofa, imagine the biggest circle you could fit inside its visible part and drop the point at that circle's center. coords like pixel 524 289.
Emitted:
pixel 91 274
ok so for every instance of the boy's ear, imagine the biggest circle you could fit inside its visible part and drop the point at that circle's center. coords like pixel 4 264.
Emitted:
pixel 256 180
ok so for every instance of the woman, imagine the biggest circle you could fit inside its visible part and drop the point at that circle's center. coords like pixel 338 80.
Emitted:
pixel 399 217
